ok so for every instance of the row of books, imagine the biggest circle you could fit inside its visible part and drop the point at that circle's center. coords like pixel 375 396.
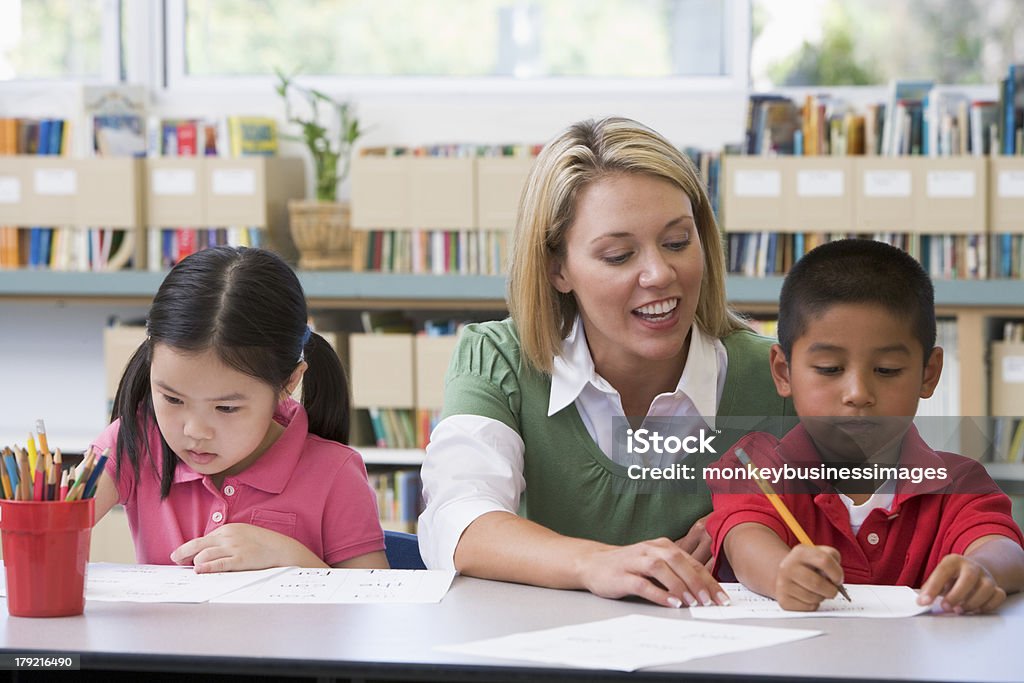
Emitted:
pixel 464 252
pixel 917 118
pixel 1013 331
pixel 399 497
pixel 167 246
pixel 227 136
pixel 1008 439
pixel 66 249
pixel 402 427
pixel 948 257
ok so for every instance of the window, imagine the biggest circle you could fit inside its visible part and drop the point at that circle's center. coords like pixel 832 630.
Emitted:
pixel 870 42
pixel 59 39
pixel 502 39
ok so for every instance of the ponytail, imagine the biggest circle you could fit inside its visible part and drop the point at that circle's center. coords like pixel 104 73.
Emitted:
pixel 325 391
pixel 133 405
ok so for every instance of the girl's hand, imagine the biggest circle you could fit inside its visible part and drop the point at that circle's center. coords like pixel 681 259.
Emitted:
pixel 237 547
pixel 807 575
pixel 965 587
pixel 655 570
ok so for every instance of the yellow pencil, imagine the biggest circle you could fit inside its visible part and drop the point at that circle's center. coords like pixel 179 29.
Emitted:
pixel 783 511
pixel 32 455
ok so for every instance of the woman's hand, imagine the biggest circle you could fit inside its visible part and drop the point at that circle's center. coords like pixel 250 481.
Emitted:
pixel 238 547
pixel 656 570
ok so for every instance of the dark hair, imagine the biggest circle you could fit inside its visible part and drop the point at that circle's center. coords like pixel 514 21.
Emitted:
pixel 856 271
pixel 248 306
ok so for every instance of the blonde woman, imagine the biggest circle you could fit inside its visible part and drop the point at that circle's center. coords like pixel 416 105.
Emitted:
pixel 617 301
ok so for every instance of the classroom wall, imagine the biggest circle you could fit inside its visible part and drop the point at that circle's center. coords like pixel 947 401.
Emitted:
pixel 51 362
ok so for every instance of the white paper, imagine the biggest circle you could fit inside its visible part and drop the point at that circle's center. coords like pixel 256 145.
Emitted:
pixel 164 583
pixel 629 643
pixel 234 181
pixel 347 586
pixel 174 181
pixel 887 183
pixel 757 183
pixel 1010 184
pixel 879 602
pixel 55 181
pixel 1013 369
pixel 10 190
pixel 950 184
pixel 820 183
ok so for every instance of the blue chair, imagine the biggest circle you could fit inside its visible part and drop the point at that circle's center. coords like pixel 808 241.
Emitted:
pixel 403 550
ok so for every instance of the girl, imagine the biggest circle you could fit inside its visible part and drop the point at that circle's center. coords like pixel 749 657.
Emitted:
pixel 215 464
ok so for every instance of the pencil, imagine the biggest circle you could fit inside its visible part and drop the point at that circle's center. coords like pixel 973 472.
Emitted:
pixel 63 490
pixel 94 478
pixel 41 430
pixel 783 511
pixel 32 455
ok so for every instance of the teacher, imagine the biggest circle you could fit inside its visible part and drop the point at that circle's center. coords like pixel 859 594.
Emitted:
pixel 618 310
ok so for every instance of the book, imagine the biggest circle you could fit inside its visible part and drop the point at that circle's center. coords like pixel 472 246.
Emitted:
pixel 252 135
pixel 907 92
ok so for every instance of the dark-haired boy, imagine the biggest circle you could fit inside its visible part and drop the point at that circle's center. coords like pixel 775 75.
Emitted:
pixel 856 352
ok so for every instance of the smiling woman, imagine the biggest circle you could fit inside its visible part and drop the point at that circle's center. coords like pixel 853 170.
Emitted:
pixel 618 311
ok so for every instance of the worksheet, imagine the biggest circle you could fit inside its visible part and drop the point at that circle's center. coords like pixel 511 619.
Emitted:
pixel 878 602
pixel 108 582
pixel 629 643
pixel 340 586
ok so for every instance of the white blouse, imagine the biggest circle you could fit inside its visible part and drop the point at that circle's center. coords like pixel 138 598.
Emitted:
pixel 474 464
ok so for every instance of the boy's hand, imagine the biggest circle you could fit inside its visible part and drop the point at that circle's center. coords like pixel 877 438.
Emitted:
pixel 965 586
pixel 697 542
pixel 238 547
pixel 807 575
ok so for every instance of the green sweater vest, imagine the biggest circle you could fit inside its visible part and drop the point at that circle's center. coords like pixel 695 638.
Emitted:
pixel 573 488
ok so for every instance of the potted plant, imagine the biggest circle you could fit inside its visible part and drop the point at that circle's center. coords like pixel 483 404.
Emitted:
pixel 320 227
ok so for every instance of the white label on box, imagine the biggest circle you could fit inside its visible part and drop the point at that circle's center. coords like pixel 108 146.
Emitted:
pixel 1013 369
pixel 820 183
pixel 886 183
pixel 951 184
pixel 234 181
pixel 56 181
pixel 10 190
pixel 758 183
pixel 174 181
pixel 1011 184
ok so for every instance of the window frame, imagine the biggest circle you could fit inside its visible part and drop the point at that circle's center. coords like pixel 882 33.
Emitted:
pixel 737 20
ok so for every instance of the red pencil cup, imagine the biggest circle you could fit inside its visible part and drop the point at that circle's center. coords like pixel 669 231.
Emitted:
pixel 46 548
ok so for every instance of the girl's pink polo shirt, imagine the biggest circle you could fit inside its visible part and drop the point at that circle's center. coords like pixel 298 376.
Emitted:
pixel 306 487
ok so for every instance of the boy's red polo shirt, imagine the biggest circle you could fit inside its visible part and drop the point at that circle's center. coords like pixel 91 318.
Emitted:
pixel 900 546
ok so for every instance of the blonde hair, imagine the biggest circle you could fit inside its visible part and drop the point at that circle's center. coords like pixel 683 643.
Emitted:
pixel 585 153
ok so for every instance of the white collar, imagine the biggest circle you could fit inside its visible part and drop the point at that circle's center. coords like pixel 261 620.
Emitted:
pixel 573 369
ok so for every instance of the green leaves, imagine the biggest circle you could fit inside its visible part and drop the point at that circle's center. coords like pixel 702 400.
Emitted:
pixel 330 143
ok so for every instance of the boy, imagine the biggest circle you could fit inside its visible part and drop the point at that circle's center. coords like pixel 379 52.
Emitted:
pixel 856 351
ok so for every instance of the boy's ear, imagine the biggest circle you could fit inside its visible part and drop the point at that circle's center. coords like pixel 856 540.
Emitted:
pixel 557 277
pixel 293 380
pixel 932 372
pixel 780 371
